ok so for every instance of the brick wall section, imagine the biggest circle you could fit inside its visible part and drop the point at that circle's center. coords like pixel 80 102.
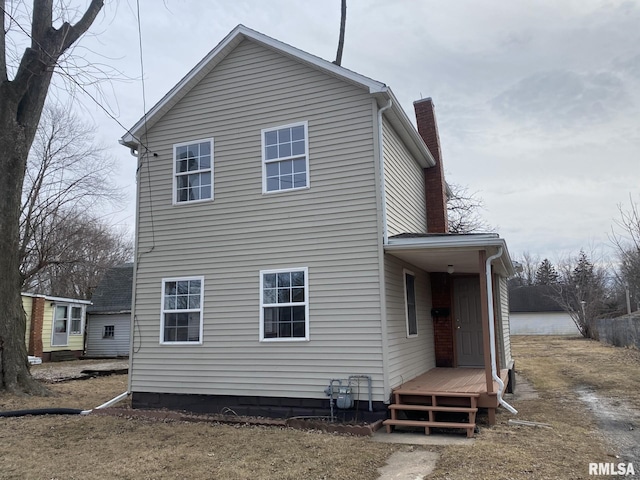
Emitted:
pixel 35 329
pixel 435 189
pixel 442 327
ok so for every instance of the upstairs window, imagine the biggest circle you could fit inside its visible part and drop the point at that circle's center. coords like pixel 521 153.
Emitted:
pixel 285 164
pixel 193 169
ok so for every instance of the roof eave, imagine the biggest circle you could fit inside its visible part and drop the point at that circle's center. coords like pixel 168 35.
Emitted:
pixel 403 126
pixel 215 56
pixel 474 242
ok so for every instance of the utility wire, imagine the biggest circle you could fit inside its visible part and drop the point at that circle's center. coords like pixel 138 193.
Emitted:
pixel 78 84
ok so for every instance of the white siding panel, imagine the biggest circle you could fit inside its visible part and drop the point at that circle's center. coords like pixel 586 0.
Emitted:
pixel 504 315
pixel 542 323
pixel 404 186
pixel 331 228
pixel 118 346
pixel 408 357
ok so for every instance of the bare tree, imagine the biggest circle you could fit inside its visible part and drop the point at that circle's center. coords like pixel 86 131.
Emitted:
pixel 625 237
pixel 463 210
pixel 67 173
pixel 526 275
pixel 22 99
pixel 84 248
pixel 582 291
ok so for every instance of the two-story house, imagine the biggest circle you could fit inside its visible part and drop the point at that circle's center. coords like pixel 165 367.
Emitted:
pixel 292 231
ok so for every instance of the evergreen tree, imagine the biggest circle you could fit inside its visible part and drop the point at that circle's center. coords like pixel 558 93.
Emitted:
pixel 546 274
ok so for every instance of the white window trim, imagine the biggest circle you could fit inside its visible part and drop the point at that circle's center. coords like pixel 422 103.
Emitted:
pixel 82 319
pixel 305 124
pixel 406 272
pixel 201 309
pixel 305 270
pixel 175 172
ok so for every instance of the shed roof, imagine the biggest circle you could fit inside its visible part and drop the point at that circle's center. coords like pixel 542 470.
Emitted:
pixel 533 298
pixel 113 294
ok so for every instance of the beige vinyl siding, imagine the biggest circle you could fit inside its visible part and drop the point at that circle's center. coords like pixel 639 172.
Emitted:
pixel 404 186
pixel 331 228
pixel 408 357
pixel 504 316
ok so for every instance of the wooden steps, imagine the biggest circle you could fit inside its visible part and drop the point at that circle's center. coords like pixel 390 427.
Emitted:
pixel 433 403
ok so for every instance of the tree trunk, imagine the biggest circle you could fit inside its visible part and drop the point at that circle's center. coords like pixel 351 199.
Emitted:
pixel 21 103
pixel 14 367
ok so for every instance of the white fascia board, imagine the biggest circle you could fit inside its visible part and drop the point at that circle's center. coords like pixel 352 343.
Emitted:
pixel 446 241
pixel 215 56
pixel 56 299
pixel 66 300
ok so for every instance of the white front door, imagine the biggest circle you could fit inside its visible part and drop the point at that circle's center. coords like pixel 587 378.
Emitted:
pixel 468 316
pixel 60 332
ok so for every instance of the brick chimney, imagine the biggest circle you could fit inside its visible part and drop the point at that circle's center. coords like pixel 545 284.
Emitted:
pixel 435 187
pixel 35 329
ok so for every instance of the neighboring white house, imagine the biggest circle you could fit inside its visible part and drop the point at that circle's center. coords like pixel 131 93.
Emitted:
pixel 532 311
pixel 109 315
pixel 292 230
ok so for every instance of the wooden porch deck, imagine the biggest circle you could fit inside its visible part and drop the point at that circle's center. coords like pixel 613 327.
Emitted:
pixel 452 380
pixel 443 391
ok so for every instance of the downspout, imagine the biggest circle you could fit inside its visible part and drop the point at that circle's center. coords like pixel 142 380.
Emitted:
pixel 383 198
pixel 492 332
pixel 382 224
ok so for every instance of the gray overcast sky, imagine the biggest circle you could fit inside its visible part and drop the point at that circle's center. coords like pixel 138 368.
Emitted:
pixel 537 101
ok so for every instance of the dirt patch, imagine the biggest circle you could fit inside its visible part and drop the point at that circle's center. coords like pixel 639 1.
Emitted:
pixel 54 372
pixel 619 423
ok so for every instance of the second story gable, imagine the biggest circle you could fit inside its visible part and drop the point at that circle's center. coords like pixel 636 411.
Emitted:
pixel 260 133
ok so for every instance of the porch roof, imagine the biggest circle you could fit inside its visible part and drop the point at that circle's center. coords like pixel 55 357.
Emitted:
pixel 435 252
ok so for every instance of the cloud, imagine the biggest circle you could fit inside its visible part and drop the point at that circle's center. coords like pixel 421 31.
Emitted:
pixel 563 99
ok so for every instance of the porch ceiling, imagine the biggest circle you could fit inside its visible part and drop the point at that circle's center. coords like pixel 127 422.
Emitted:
pixel 436 253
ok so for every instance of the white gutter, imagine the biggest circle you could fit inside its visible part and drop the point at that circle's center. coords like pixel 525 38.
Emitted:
pixel 492 332
pixel 383 199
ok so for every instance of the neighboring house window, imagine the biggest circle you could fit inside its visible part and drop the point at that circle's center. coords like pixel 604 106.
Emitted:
pixel 182 300
pixel 76 321
pixel 285 158
pixel 410 303
pixel 284 299
pixel 68 320
pixel 109 331
pixel 193 168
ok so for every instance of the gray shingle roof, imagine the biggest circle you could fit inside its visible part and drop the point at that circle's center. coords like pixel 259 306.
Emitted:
pixel 113 293
pixel 534 298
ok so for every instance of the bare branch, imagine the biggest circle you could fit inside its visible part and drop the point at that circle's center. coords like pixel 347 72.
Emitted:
pixel 343 22
pixel 463 210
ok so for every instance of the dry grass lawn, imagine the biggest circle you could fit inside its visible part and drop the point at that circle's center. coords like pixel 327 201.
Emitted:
pixel 67 447
pixel 555 366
